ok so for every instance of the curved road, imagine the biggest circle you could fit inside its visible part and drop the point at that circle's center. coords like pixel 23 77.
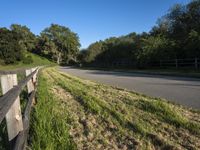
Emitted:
pixel 185 91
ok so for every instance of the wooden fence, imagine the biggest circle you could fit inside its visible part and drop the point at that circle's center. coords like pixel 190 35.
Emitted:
pixel 193 63
pixel 181 63
pixel 10 108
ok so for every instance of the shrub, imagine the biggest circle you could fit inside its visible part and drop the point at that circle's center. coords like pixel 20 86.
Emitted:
pixel 28 60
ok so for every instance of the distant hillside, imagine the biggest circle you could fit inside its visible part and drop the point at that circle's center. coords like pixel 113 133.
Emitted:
pixel 35 60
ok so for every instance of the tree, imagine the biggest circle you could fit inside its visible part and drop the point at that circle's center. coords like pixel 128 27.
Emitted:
pixel 192 45
pixel 10 49
pixel 46 48
pixel 66 41
pixel 156 48
pixel 93 50
pixel 27 38
pixel 112 50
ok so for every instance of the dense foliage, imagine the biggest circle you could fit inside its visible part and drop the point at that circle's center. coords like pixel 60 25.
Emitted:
pixel 60 43
pixel 176 36
pixel 57 43
pixel 10 49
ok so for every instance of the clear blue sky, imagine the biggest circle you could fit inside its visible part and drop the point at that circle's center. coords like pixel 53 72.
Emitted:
pixel 91 19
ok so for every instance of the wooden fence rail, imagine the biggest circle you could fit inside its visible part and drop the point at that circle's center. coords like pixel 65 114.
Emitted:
pixel 10 109
pixel 180 63
pixel 193 63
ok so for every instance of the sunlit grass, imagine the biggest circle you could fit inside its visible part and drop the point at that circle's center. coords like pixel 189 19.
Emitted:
pixel 37 61
pixel 49 129
pixel 134 115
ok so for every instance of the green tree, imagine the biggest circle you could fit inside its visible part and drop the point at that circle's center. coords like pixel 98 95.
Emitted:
pixel 27 38
pixel 192 45
pixel 46 48
pixel 154 49
pixel 92 51
pixel 10 49
pixel 66 41
pixel 184 21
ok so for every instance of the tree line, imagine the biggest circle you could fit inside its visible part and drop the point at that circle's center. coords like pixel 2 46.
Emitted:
pixel 57 43
pixel 175 36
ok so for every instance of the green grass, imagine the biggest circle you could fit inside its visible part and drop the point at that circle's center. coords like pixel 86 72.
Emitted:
pixel 48 128
pixel 3 136
pixel 95 105
pixel 167 114
pixel 37 61
pixel 119 117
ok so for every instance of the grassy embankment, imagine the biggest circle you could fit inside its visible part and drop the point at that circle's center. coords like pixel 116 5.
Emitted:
pixel 37 61
pixel 72 113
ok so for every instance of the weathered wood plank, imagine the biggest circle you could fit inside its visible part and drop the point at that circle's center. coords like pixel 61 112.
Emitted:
pixel 35 76
pixel 16 71
pixel 13 116
pixel 22 137
pixel 30 85
pixel 8 99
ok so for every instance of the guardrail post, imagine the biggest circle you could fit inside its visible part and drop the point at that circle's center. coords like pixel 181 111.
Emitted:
pixel 14 116
pixel 30 84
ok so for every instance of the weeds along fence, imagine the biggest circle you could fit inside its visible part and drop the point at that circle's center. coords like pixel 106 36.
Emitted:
pixel 17 122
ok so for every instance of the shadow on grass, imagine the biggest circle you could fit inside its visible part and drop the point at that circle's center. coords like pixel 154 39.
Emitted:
pixel 168 115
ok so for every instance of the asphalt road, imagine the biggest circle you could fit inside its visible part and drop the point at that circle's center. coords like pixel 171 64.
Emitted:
pixel 184 91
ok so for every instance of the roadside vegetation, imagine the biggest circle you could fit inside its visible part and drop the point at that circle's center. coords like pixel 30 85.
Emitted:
pixel 175 36
pixel 55 43
pixel 49 128
pixel 73 113
pixel 36 60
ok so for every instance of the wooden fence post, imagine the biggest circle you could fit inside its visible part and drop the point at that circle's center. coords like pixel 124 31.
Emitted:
pixel 30 84
pixel 14 116
pixel 160 63
pixel 196 63
pixel 35 75
pixel 176 61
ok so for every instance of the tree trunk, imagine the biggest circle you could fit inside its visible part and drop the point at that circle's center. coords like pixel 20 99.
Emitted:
pixel 58 58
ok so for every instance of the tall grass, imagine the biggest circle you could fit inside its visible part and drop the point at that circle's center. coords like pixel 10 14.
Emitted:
pixel 49 129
